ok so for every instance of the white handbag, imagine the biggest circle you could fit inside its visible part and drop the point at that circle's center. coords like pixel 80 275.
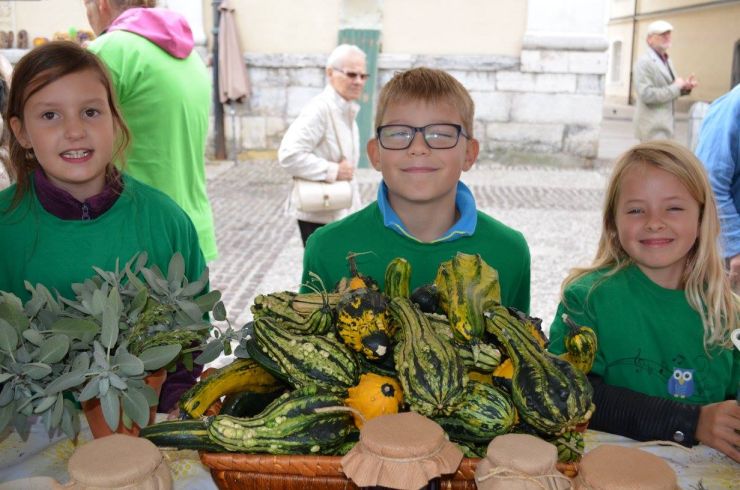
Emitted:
pixel 311 196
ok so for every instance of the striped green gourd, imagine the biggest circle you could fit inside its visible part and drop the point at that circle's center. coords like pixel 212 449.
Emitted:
pixel 307 359
pixel 483 413
pixel 289 425
pixel 479 356
pixel 430 370
pixel 570 446
pixel 180 434
pixel 309 314
pixel 398 278
pixel 549 393
pixel 581 345
pixel 467 287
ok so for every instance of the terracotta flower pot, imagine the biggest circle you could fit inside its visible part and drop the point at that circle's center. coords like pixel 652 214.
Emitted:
pixel 96 419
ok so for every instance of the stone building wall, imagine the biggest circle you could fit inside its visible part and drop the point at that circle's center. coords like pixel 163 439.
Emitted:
pixel 542 107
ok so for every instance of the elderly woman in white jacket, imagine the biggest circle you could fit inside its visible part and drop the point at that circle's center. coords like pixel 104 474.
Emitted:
pixel 323 143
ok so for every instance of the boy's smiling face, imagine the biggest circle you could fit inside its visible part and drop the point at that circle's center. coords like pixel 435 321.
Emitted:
pixel 419 174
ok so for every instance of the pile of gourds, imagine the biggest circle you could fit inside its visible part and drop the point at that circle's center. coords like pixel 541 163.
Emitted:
pixel 322 363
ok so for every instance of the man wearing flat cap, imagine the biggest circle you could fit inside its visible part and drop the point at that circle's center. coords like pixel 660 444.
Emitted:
pixel 657 85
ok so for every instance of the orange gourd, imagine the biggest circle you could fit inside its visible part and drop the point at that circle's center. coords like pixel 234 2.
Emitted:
pixel 374 395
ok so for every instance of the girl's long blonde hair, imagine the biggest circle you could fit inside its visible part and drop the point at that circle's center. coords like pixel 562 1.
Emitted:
pixel 705 282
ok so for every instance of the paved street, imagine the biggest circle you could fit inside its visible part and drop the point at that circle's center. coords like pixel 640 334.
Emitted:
pixel 557 210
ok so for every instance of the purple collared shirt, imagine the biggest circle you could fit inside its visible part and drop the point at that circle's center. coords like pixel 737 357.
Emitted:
pixel 61 204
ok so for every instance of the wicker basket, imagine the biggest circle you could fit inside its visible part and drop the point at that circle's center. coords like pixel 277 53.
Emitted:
pixel 299 472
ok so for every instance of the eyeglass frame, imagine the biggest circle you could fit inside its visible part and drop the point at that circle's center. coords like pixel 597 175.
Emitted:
pixel 352 74
pixel 422 129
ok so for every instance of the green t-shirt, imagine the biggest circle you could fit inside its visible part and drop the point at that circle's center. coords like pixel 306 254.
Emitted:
pixel 501 247
pixel 41 248
pixel 649 338
pixel 165 102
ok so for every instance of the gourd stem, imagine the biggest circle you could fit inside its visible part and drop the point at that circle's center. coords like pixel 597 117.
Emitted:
pixel 340 408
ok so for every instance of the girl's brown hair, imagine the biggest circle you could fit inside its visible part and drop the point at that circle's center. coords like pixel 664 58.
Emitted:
pixel 705 282
pixel 37 69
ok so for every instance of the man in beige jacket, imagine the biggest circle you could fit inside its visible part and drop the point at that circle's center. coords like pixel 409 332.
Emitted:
pixel 657 85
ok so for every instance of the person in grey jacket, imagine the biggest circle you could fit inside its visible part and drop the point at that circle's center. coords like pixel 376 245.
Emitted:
pixel 323 143
pixel 657 85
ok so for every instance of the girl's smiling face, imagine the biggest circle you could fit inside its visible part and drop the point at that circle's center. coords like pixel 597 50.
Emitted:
pixel 657 222
pixel 70 127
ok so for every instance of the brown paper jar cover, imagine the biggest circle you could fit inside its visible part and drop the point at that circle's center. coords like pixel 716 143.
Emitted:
pixel 119 462
pixel 520 462
pixel 624 468
pixel 403 451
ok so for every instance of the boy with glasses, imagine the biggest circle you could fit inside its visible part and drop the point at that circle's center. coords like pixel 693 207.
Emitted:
pixel 424 141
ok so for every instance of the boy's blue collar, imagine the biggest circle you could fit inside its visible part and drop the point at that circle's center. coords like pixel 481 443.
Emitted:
pixel 464 226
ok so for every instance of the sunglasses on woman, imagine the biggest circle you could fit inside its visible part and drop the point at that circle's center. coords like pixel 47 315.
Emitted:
pixel 352 74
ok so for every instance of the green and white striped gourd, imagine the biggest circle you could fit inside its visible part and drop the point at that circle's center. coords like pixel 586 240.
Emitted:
pixel 289 425
pixel 430 370
pixel 308 359
pixel 549 393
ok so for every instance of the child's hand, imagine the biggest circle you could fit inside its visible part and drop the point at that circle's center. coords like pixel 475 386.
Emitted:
pixel 719 427
pixel 174 414
pixel 735 273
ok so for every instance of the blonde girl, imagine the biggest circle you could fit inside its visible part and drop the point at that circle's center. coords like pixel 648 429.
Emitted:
pixel 661 305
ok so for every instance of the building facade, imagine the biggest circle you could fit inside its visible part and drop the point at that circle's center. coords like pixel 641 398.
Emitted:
pixel 706 42
pixel 535 68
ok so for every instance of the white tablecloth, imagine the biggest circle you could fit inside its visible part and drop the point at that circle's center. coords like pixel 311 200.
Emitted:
pixel 40 456
pixel 698 468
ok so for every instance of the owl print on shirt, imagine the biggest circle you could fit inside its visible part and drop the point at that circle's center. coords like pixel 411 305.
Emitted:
pixel 681 383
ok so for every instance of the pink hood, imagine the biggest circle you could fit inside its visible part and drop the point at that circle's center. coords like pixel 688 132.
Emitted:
pixel 165 28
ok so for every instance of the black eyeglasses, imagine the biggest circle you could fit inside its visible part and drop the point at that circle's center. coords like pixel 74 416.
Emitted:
pixel 352 74
pixel 436 136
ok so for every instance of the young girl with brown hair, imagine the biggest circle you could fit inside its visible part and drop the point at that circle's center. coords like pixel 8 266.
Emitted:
pixel 70 209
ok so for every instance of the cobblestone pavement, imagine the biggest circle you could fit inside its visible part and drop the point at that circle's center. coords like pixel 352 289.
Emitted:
pixel 557 210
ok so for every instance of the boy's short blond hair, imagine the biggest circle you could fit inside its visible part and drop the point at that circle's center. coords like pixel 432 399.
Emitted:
pixel 428 85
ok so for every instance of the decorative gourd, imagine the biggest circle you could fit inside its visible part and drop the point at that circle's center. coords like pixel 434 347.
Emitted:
pixel 504 370
pixel 362 322
pixel 397 278
pixel 356 280
pixel 307 359
pixel 483 413
pixel 501 376
pixel 292 424
pixel 479 356
pixel 533 327
pixel 570 446
pixel 180 434
pixel 581 344
pixel 247 403
pixel 467 287
pixel 430 370
pixel 480 377
pixel 310 314
pixel 549 393
pixel 373 396
pixel 240 375
pixel 426 297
